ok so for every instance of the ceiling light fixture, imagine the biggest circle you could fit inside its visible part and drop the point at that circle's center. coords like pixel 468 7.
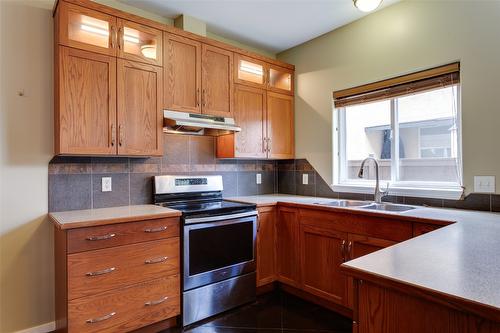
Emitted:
pixel 367 5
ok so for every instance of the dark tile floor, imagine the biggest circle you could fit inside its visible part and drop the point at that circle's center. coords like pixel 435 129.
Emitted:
pixel 272 313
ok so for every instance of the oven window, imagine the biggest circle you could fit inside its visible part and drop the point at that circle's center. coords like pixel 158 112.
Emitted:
pixel 220 246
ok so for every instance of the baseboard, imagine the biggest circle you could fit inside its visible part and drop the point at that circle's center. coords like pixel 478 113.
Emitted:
pixel 44 328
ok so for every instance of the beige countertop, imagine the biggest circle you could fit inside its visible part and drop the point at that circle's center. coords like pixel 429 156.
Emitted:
pixel 460 261
pixel 101 216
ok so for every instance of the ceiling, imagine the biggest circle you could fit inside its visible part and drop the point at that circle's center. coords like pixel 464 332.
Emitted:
pixel 273 25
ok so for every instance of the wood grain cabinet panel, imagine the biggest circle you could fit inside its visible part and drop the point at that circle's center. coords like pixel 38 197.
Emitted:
pixel 358 246
pixel 96 271
pixel 288 246
pixel 182 73
pixel 423 228
pixel 217 81
pixel 140 117
pixel 140 43
pixel 250 115
pixel 93 238
pixel 85 110
pixel 322 253
pixel 127 309
pixel 266 246
pixel 280 126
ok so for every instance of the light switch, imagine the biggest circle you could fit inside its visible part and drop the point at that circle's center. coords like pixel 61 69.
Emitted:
pixel 106 184
pixel 258 178
pixel 484 184
pixel 305 179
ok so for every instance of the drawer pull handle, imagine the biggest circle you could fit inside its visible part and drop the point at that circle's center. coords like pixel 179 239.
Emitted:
pixel 104 271
pixel 156 302
pixel 156 260
pixel 102 237
pixel 96 320
pixel 160 229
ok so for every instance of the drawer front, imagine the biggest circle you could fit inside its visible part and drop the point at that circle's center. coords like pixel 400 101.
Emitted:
pixel 93 272
pixel 126 309
pixel 92 238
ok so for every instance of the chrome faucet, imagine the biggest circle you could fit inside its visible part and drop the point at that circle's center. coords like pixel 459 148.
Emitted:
pixel 378 195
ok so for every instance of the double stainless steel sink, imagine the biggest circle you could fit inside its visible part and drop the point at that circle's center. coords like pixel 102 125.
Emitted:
pixel 369 205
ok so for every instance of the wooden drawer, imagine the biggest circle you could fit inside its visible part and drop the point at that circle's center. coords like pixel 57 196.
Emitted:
pixel 93 272
pixel 92 238
pixel 126 309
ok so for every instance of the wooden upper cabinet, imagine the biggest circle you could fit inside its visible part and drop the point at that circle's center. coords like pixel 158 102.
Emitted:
pixel 280 126
pixel 266 246
pixel 250 115
pixel 87 29
pixel 249 71
pixel 287 236
pixel 217 81
pixel 85 103
pixel 182 73
pixel 280 80
pixel 322 253
pixel 138 42
pixel 140 118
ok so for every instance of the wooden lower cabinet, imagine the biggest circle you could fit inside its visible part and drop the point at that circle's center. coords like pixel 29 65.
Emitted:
pixel 266 246
pixel 358 246
pixel 126 309
pixel 387 310
pixel 287 232
pixel 322 253
pixel 129 280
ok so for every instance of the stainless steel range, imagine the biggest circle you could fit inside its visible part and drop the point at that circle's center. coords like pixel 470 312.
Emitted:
pixel 218 244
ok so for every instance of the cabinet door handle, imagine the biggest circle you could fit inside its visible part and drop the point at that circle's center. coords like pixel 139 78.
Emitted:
pixel 197 97
pixel 100 237
pixel 120 36
pixel 102 272
pixel 96 320
pixel 113 135
pixel 161 300
pixel 349 248
pixel 159 229
pixel 203 98
pixel 156 260
pixel 342 250
pixel 112 37
pixel 120 135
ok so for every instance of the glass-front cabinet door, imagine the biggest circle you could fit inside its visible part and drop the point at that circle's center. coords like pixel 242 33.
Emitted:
pixel 281 79
pixel 139 43
pixel 86 29
pixel 249 71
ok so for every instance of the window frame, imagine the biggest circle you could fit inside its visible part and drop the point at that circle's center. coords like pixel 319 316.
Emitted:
pixel 438 190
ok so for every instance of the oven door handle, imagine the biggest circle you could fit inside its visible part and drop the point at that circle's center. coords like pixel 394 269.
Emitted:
pixel 219 217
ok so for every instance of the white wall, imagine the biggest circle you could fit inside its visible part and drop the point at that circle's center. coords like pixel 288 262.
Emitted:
pixel 26 259
pixel 405 37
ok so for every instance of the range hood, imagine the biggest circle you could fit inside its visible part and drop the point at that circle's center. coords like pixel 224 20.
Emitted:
pixel 197 124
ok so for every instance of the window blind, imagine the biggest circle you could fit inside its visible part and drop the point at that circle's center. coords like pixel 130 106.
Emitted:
pixel 433 78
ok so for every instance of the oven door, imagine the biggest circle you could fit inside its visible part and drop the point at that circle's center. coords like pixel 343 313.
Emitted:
pixel 217 248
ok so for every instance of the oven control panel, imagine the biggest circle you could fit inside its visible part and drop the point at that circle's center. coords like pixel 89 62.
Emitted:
pixel 190 181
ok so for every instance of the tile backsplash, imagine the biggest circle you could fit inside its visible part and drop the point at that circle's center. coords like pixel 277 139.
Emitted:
pixel 75 182
pixel 290 182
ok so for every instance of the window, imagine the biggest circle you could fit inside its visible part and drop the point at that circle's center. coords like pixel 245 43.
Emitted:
pixel 413 133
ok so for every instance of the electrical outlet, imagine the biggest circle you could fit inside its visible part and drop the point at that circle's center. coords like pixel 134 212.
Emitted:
pixel 106 184
pixel 484 184
pixel 305 179
pixel 258 178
